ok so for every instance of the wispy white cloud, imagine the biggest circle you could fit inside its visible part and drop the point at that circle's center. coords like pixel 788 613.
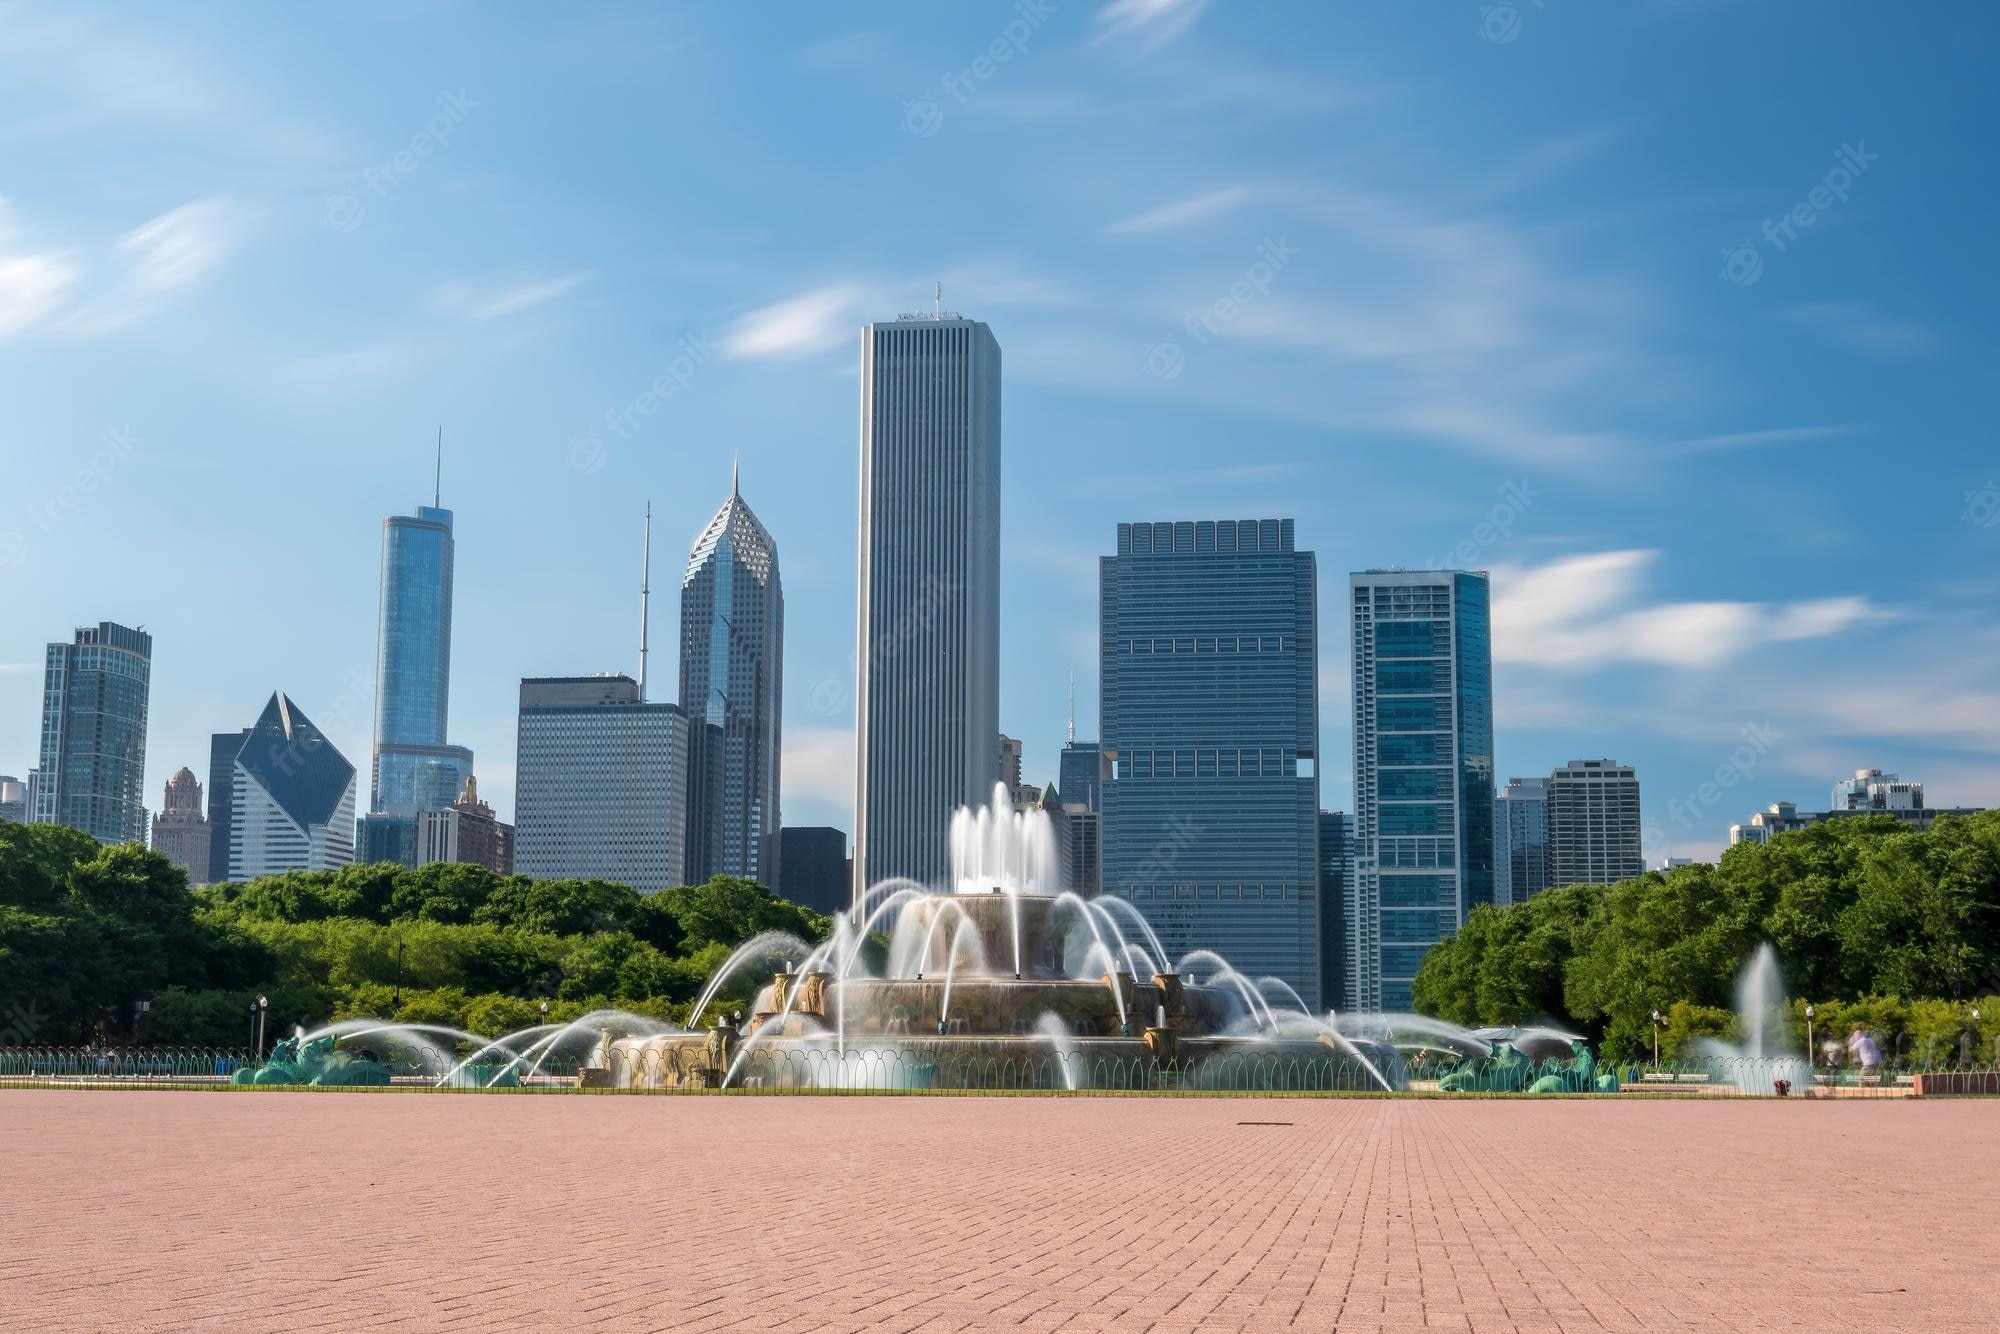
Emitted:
pixel 1151 23
pixel 1586 612
pixel 1782 435
pixel 32 284
pixel 475 303
pixel 339 371
pixel 819 766
pixel 803 325
pixel 1195 481
pixel 1861 329
pixel 174 251
pixel 1182 213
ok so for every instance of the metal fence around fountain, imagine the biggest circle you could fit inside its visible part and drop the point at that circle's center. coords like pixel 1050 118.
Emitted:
pixel 863 1070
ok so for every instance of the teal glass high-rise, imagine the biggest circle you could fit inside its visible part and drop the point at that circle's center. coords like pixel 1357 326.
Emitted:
pixel 1423 773
pixel 1210 794
pixel 95 691
pixel 414 768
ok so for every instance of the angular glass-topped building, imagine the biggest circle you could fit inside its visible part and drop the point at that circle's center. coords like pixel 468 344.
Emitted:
pixel 415 769
pixel 1423 772
pixel 732 669
pixel 291 797
pixel 1210 717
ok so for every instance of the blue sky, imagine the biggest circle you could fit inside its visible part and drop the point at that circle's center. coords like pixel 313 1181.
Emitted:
pixel 1471 249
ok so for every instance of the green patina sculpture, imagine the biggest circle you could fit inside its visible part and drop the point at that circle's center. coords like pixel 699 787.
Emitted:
pixel 295 1061
pixel 1505 1071
pixel 1509 1071
pixel 1576 1075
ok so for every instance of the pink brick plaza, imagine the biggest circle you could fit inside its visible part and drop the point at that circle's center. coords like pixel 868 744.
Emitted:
pixel 134 1210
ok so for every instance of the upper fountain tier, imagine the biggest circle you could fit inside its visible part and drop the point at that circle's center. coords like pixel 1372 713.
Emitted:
pixel 998 934
pixel 996 845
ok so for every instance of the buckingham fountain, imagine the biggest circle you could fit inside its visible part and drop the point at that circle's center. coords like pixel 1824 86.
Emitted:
pixel 1003 979
pixel 999 979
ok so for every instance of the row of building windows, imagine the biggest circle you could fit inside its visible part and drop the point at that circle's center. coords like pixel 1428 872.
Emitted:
pixel 1272 893
pixel 1237 763
pixel 1209 644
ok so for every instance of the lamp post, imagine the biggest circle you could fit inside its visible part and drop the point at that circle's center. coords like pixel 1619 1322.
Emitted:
pixel 1658 1019
pixel 545 1014
pixel 1810 1049
pixel 263 1006
pixel 253 1024
pixel 397 999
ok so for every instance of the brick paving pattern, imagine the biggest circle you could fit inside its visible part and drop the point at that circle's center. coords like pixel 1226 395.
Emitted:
pixel 337 1212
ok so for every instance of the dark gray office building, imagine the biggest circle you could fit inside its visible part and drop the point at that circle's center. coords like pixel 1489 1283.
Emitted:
pixel 1210 732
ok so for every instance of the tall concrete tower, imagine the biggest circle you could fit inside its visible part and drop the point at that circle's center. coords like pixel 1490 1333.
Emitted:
pixel 927 641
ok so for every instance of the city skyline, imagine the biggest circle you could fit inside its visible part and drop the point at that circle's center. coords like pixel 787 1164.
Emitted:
pixel 1648 603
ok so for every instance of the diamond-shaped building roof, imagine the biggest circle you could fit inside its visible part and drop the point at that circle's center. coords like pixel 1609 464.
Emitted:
pixel 293 761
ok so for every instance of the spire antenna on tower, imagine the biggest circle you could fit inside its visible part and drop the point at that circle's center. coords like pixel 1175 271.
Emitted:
pixel 645 597
pixel 735 475
pixel 437 477
pixel 937 299
pixel 1072 708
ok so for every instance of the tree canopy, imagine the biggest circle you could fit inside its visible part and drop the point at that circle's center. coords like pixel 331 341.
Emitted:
pixel 88 930
pixel 1856 908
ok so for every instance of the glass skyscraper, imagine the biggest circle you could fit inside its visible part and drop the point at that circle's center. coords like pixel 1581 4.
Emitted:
pixel 927 635
pixel 95 691
pixel 1210 735
pixel 1520 840
pixel 1423 772
pixel 732 669
pixel 1336 887
pixel 415 769
pixel 1077 779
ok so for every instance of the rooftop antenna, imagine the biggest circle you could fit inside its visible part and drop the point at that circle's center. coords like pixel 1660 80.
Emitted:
pixel 437 478
pixel 937 300
pixel 1072 708
pixel 735 474
pixel 645 598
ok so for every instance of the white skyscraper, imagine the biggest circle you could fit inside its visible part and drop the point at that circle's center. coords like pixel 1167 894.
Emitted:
pixel 927 647
pixel 601 783
pixel 1594 823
